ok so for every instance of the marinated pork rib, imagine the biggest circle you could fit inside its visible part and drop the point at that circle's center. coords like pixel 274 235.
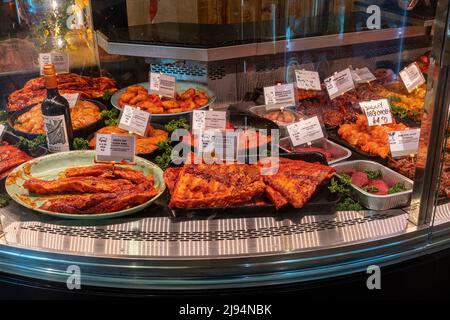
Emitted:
pixel 101 189
pixel 77 185
pixel 11 157
pixel 296 181
pixel 98 203
pixel 216 186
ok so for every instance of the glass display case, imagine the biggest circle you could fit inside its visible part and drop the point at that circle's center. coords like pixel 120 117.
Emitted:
pixel 348 100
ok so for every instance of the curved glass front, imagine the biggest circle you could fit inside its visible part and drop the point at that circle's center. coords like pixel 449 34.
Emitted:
pixel 344 98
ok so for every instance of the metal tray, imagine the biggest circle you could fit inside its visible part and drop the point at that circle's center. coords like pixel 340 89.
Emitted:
pixel 338 153
pixel 322 201
pixel 81 132
pixel 378 202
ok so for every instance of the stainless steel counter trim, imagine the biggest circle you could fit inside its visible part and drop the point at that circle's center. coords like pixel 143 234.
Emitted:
pixel 258 49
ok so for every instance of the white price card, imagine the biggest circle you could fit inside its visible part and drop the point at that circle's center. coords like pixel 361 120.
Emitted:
pixel 339 83
pixel 59 59
pixel 308 80
pixel 305 131
pixel 134 120
pixel 378 112
pixel 226 145
pixel 362 75
pixel 412 77
pixel 404 143
pixel 282 93
pixel 72 98
pixel 162 84
pixel 208 119
pixel 2 131
pixel 115 148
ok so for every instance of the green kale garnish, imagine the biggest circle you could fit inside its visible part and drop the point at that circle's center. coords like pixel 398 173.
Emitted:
pixel 373 175
pixel 80 144
pixel 163 161
pixel 370 189
pixel 348 204
pixel 40 141
pixel 4 117
pixel 111 117
pixel 341 186
pixel 173 125
pixel 398 187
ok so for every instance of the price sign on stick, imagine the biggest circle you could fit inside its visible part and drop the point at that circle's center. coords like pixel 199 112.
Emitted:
pixel 378 112
pixel 305 131
pixel 404 143
pixel 339 83
pixel 134 120
pixel 208 119
pixel 72 98
pixel 115 148
pixel 308 80
pixel 412 77
pixel 283 93
pixel 162 84
pixel 59 59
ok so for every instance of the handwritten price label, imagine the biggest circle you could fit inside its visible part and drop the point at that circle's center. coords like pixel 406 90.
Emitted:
pixel 362 75
pixel 378 112
pixel 308 80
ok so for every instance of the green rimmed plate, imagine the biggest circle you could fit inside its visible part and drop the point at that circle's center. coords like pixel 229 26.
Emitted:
pixel 50 167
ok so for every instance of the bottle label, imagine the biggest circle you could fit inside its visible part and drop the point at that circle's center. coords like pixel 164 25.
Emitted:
pixel 57 137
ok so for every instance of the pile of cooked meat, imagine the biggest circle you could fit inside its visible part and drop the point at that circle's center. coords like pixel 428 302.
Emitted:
pixel 34 90
pixel 94 189
pixel 228 185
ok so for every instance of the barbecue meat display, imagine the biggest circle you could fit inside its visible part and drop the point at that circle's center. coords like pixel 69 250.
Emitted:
pixel 227 185
pixel 34 90
pixel 94 189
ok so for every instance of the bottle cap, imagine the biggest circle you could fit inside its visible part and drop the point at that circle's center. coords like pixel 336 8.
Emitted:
pixel 49 69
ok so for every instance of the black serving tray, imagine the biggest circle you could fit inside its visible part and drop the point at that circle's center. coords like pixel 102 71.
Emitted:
pixel 323 202
pixel 82 132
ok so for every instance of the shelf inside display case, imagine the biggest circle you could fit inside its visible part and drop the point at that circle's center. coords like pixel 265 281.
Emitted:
pixel 208 42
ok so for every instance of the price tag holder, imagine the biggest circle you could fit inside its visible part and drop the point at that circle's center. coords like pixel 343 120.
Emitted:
pixel 378 112
pixel 2 131
pixel 134 120
pixel 59 59
pixel 404 143
pixel 339 83
pixel 72 98
pixel 208 119
pixel 162 85
pixel 412 77
pixel 305 131
pixel 308 80
pixel 362 75
pixel 115 148
pixel 283 93
pixel 226 145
